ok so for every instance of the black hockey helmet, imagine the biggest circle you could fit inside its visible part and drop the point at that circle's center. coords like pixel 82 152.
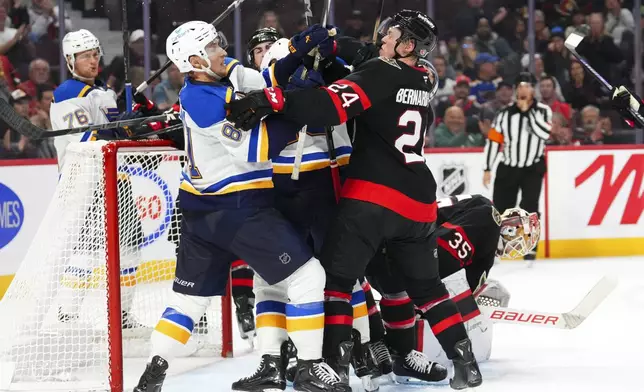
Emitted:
pixel 266 34
pixel 416 26
pixel 525 77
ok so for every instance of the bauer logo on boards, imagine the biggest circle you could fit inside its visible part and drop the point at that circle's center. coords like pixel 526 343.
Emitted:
pixel 12 214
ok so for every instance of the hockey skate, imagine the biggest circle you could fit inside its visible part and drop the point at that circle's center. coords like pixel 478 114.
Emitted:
pixel 382 357
pixel 269 376
pixel 466 370
pixel 416 368
pixel 245 318
pixel 318 376
pixel 152 378
pixel 340 363
pixel 364 365
pixel 289 352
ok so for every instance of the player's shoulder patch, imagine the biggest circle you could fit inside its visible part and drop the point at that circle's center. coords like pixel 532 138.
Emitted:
pixel 389 61
pixel 496 216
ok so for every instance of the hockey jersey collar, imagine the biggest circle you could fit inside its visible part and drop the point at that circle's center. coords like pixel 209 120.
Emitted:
pixel 74 88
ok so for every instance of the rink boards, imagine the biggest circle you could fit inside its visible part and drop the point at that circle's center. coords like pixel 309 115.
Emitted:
pixel 591 204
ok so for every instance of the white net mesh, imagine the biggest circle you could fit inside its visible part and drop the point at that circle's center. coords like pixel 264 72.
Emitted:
pixel 55 327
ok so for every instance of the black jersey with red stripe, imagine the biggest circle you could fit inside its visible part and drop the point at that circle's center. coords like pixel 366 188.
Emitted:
pixel 467 236
pixel 390 101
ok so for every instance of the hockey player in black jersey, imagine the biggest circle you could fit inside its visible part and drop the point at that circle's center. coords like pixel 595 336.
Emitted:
pixel 389 193
pixel 470 236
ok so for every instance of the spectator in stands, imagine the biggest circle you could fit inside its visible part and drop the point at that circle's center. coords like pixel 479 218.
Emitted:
pixel 10 37
pixel 166 93
pixel 453 52
pixel 487 41
pixel 541 32
pixel 461 98
pixel 452 131
pixel 556 60
pixel 39 73
pixel 467 66
pixel 468 17
pixel 601 51
pixel 578 23
pixel 270 19
pixel 116 69
pixel 44 19
pixel 16 145
pixel 581 90
pixel 520 34
pixel 445 84
pixel 44 147
pixel 560 133
pixel 355 26
pixel 502 97
pixel 618 20
pixel 548 96
pixel 539 72
pixel 593 129
pixel 484 86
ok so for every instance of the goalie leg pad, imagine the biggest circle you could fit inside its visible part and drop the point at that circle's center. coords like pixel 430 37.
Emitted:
pixel 305 312
pixel 360 313
pixel 271 315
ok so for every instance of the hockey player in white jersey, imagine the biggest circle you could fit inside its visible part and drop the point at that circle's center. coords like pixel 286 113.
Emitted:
pixel 80 101
pixel 227 214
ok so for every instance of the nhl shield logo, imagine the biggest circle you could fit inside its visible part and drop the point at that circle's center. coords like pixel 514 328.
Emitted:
pixel 285 258
pixel 454 180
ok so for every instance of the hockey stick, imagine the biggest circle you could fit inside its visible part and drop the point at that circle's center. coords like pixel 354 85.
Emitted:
pixel 301 140
pixel 568 320
pixel 381 5
pixel 26 128
pixel 156 74
pixel 126 57
pixel 572 43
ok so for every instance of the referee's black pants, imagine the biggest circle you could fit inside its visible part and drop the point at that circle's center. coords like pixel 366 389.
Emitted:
pixel 510 179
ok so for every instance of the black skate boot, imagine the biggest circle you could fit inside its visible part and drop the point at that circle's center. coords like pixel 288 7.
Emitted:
pixel 245 319
pixel 289 353
pixel 416 368
pixel 152 378
pixel 269 376
pixel 341 362
pixel 381 355
pixel 466 370
pixel 364 365
pixel 318 376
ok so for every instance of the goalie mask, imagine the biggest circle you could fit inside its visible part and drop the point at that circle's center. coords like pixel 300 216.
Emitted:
pixel 520 232
pixel 194 38
pixel 416 26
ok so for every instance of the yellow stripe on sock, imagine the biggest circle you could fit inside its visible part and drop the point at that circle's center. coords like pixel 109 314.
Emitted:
pixel 305 324
pixel 172 330
pixel 360 311
pixel 271 321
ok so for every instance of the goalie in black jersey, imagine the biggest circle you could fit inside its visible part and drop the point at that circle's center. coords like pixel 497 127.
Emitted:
pixel 389 194
pixel 471 235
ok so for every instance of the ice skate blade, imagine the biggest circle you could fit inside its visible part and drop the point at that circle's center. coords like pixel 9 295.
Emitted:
pixel 261 390
pixel 406 380
pixel 370 384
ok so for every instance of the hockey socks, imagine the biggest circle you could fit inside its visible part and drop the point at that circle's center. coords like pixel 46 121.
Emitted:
pixel 241 279
pixel 376 328
pixel 399 317
pixel 360 312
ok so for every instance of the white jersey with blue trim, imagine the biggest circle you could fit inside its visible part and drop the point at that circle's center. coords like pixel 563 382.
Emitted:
pixel 315 155
pixel 77 104
pixel 242 78
pixel 222 159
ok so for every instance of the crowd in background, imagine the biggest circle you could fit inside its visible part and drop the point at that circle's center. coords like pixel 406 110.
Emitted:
pixel 482 47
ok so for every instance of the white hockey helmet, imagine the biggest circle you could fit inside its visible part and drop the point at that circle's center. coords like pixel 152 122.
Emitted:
pixel 190 39
pixel 277 51
pixel 520 233
pixel 76 42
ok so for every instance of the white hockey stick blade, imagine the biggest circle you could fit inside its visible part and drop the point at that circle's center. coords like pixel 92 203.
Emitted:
pixel 299 151
pixel 568 320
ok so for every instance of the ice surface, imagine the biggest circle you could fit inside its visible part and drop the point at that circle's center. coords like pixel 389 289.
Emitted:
pixel 603 354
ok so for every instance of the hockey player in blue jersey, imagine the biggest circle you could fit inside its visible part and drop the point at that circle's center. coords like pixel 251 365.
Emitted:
pixel 226 202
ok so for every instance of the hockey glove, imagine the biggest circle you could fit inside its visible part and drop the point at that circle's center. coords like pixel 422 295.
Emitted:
pixel 622 100
pixel 366 53
pixel 247 112
pixel 312 79
pixel 301 44
pixel 328 47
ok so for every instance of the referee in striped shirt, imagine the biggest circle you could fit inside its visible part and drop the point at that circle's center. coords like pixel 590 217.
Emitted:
pixel 519 131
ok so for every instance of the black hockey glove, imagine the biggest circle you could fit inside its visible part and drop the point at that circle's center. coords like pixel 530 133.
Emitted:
pixel 622 101
pixel 366 53
pixel 246 113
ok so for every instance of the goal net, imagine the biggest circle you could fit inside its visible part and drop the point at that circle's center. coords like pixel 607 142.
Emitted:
pixel 99 272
